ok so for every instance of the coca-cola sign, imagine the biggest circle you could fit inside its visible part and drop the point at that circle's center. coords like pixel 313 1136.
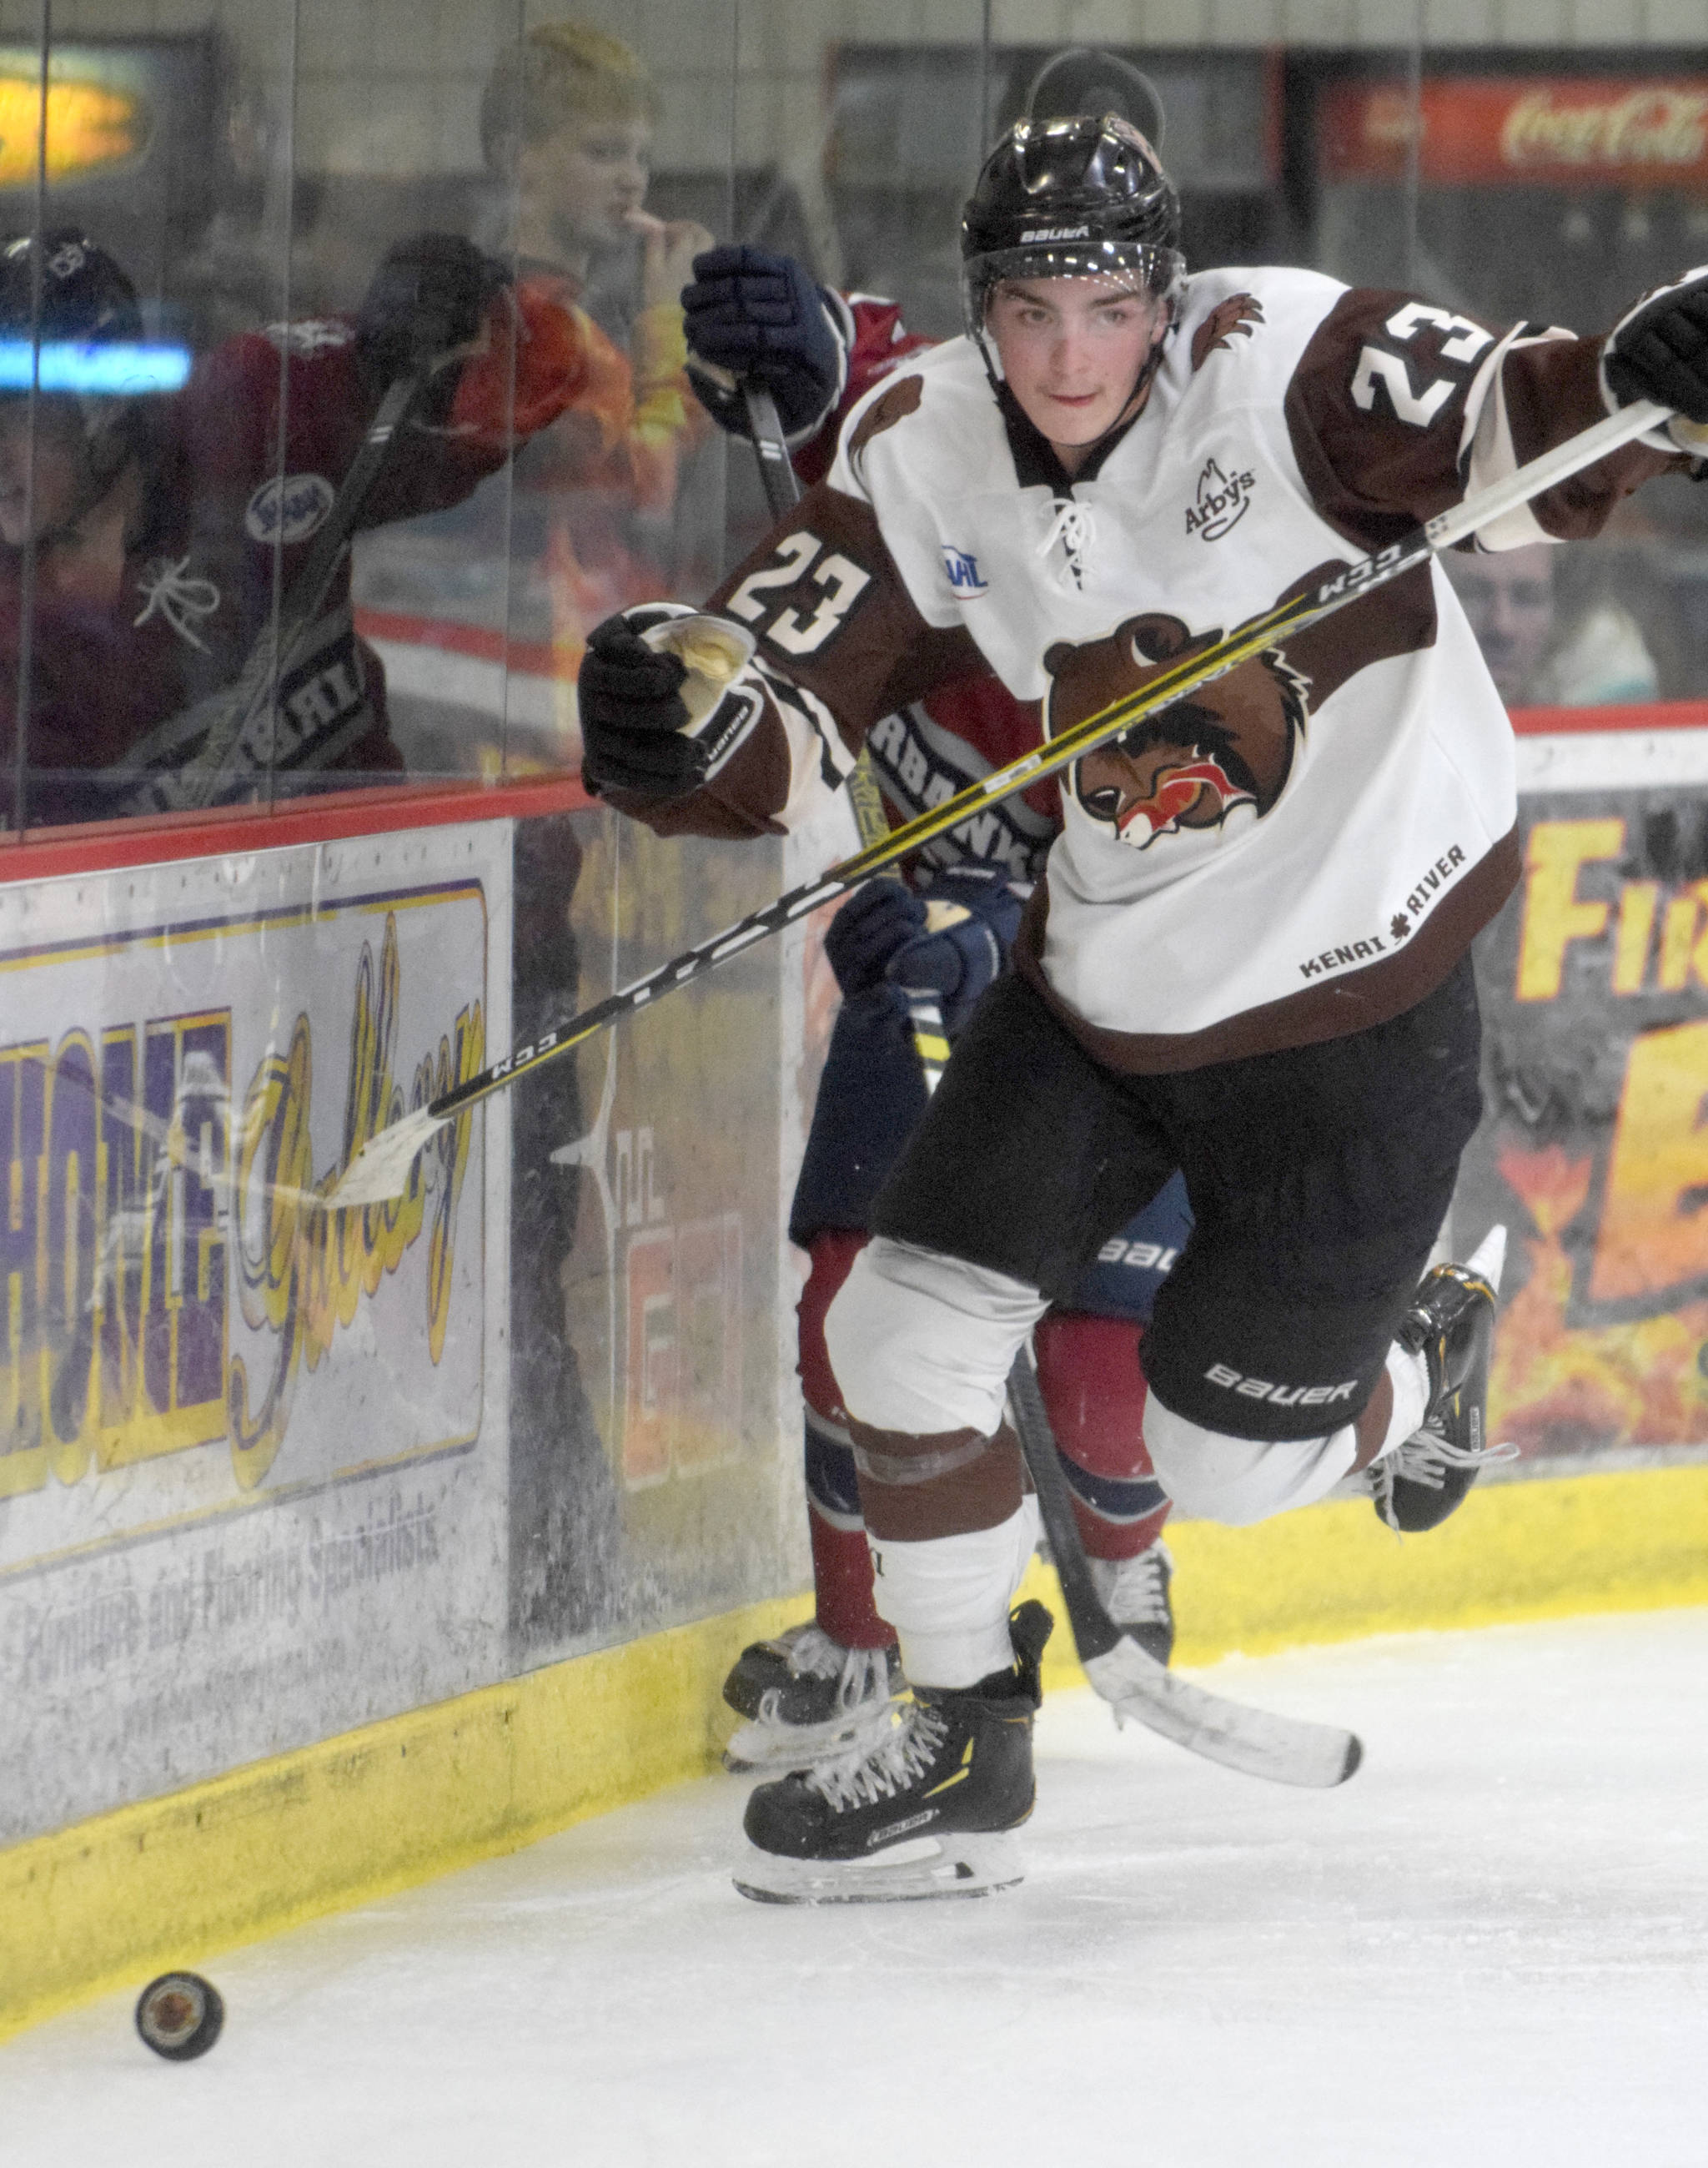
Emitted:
pixel 1561 131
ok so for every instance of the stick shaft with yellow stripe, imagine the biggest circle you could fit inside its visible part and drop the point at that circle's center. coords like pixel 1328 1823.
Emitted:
pixel 374 1174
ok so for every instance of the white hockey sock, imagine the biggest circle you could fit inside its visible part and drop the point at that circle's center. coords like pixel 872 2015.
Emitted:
pixel 948 1597
pixel 1410 1376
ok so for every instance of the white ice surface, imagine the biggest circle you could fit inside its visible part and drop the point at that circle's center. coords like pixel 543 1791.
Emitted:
pixel 1489 1950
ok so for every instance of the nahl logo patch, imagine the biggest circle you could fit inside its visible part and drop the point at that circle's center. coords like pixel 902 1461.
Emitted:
pixel 1222 502
pixel 1280 1396
pixel 288 511
pixel 962 569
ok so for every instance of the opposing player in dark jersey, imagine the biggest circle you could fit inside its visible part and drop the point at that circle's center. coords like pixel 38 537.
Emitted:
pixel 1250 959
pixel 825 1684
pixel 153 530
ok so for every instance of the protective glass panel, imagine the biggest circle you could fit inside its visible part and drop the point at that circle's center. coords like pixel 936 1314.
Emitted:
pixel 267 1471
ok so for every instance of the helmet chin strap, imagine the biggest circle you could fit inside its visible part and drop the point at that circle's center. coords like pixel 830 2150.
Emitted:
pixel 1141 389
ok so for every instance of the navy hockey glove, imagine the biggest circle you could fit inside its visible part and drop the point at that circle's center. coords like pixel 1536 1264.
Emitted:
pixel 632 716
pixel 1660 350
pixel 758 315
pixel 951 943
pixel 970 919
pixel 876 920
pixel 427 299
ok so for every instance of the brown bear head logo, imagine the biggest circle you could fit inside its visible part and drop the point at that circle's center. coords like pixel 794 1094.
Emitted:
pixel 1229 743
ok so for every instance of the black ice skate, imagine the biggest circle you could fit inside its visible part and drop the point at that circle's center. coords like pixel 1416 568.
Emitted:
pixel 1135 1593
pixel 927 1811
pixel 807 1697
pixel 1450 1323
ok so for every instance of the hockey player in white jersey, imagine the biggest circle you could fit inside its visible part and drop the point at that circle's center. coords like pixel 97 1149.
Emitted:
pixel 1249 956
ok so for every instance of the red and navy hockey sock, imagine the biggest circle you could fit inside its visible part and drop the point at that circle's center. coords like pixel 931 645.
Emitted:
pixel 1093 1386
pixel 841 1563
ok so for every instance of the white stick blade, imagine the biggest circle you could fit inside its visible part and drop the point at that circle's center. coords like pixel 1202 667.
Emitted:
pixel 1285 1749
pixel 1490 1258
pixel 380 1169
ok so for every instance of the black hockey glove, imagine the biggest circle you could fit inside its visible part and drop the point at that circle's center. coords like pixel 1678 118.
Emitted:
pixel 632 716
pixel 428 299
pixel 758 315
pixel 1660 350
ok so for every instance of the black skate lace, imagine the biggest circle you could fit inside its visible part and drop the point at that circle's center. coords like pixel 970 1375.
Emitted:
pixel 862 1777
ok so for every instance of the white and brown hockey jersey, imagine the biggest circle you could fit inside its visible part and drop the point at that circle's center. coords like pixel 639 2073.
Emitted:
pixel 1302 848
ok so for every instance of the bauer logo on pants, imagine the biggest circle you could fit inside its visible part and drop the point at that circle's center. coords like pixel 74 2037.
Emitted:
pixel 1283 1396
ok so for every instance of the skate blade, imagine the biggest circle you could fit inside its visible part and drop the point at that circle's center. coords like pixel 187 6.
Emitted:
pixel 923 1867
pixel 778 1748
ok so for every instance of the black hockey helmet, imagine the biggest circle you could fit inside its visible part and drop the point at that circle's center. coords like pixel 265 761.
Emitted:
pixel 1083 79
pixel 62 288
pixel 1084 198
pixel 85 296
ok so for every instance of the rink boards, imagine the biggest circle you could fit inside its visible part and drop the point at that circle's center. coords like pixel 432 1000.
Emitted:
pixel 256 1669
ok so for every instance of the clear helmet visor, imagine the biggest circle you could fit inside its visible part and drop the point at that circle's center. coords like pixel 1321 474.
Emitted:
pixel 1129 266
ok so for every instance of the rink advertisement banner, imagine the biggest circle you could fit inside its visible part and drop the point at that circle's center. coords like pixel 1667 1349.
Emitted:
pixel 1568 131
pixel 250 1449
pixel 654 1456
pixel 1595 1145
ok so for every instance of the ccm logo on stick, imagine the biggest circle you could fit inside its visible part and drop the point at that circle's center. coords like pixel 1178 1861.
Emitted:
pixel 1283 1396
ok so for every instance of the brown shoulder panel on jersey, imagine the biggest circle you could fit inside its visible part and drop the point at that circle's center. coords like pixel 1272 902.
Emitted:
pixel 1353 1001
pixel 1373 474
pixel 1370 474
pixel 876 654
pixel 896 404
pixel 879 642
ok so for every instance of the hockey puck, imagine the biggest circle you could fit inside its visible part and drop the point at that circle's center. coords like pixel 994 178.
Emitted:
pixel 179 2015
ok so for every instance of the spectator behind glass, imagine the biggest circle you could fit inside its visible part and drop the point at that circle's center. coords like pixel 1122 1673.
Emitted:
pixel 1539 655
pixel 567 123
pixel 142 524
pixel 567 126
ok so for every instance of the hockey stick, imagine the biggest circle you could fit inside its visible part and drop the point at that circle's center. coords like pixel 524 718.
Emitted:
pixel 777 471
pixel 1286 1749
pixel 380 1169
pixel 249 701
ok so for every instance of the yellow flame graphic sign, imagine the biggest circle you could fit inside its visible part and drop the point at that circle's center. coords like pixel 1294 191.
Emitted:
pixel 89 127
